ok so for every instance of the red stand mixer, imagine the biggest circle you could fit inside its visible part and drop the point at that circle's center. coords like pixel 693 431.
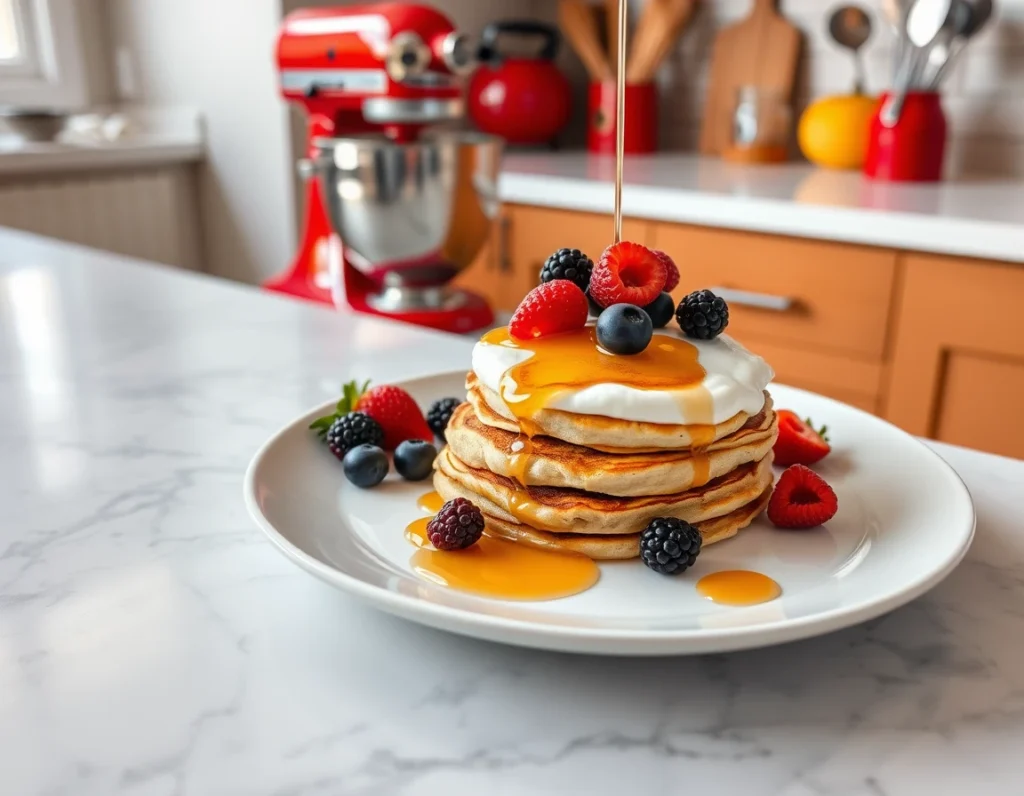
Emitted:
pixel 398 201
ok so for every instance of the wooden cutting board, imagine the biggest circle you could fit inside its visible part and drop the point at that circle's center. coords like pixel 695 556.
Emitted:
pixel 761 50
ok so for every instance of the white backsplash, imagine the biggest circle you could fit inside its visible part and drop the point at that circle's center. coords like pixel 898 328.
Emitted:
pixel 984 95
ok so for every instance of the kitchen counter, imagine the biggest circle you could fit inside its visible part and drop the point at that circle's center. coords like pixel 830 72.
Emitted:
pixel 152 641
pixel 973 218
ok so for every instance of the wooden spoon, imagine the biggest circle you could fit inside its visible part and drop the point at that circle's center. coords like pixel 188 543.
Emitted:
pixel 657 32
pixel 580 28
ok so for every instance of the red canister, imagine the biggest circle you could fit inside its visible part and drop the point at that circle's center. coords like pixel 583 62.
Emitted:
pixel 912 148
pixel 641 125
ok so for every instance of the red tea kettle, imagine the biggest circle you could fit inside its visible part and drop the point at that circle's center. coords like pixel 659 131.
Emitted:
pixel 523 100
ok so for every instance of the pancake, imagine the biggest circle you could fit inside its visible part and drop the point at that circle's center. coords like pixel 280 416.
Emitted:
pixel 598 432
pixel 552 462
pixel 575 511
pixel 623 546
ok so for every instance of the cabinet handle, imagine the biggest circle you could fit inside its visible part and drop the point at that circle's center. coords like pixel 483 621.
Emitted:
pixel 748 298
pixel 504 261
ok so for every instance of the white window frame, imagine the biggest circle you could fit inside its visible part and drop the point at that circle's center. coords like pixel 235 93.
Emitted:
pixel 52 73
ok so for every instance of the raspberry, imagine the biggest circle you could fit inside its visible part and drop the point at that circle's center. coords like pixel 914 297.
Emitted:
pixel 457 525
pixel 557 306
pixel 801 499
pixel 671 270
pixel 627 273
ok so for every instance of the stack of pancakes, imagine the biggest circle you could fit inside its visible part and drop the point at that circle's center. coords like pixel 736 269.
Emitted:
pixel 591 484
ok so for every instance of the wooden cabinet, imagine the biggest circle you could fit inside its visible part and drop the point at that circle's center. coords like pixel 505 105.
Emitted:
pixel 817 311
pixel 523 239
pixel 957 370
pixel 935 344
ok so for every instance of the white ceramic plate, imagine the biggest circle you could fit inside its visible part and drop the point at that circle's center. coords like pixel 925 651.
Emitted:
pixel 905 520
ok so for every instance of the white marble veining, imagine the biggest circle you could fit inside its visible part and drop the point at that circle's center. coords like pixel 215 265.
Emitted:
pixel 152 642
pixel 981 217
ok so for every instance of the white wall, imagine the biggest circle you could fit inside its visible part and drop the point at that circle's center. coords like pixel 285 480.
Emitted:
pixel 217 56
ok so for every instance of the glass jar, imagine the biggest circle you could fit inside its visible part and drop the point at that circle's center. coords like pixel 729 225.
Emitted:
pixel 761 123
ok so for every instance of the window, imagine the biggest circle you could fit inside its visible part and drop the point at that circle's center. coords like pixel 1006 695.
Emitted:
pixel 41 57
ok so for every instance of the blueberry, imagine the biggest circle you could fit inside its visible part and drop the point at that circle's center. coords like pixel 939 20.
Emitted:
pixel 661 310
pixel 624 329
pixel 365 465
pixel 414 459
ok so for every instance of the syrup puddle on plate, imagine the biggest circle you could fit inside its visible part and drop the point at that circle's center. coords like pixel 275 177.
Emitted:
pixel 504 570
pixel 738 587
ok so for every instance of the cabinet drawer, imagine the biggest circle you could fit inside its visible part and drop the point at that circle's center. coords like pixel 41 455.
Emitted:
pixel 836 296
pixel 853 381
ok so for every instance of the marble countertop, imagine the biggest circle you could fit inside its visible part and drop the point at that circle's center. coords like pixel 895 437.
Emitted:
pixel 981 217
pixel 153 642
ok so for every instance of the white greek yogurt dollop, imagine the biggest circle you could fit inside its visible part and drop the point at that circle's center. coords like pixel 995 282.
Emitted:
pixel 734 378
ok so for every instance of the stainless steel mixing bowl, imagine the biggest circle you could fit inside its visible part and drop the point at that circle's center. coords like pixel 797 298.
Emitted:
pixel 410 216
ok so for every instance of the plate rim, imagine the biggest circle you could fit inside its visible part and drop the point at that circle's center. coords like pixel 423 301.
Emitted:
pixel 566 638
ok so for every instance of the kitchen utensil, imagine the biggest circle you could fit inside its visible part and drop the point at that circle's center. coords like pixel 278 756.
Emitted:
pixel 579 26
pixel 641 124
pixel 905 520
pixel 32 124
pixel 895 12
pixel 975 14
pixel 525 100
pixel 928 21
pixel 912 149
pixel 611 14
pixel 661 22
pixel 850 27
pixel 761 50
pixel 402 210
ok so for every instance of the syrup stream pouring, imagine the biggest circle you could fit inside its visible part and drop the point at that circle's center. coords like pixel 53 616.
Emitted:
pixel 620 117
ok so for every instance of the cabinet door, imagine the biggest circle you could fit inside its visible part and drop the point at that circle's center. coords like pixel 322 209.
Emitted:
pixel 957 371
pixel 814 295
pixel 484 275
pixel 533 233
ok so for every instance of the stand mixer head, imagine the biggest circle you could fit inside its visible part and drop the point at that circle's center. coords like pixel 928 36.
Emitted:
pixel 395 206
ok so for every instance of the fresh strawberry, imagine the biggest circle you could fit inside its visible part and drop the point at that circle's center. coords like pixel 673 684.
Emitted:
pixel 801 499
pixel 550 308
pixel 798 442
pixel 671 270
pixel 397 413
pixel 627 273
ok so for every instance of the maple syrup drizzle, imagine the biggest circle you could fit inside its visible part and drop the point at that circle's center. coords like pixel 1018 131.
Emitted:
pixel 501 569
pixel 738 587
pixel 431 502
pixel 574 361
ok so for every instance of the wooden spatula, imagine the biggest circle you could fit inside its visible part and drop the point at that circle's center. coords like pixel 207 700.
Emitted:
pixel 761 50
pixel 580 27
pixel 659 27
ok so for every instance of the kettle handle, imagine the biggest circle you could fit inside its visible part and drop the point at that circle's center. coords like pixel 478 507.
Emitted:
pixel 489 38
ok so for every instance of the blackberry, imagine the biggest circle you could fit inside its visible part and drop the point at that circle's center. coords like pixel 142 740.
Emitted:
pixel 355 428
pixel 571 264
pixel 457 525
pixel 669 546
pixel 702 315
pixel 439 415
